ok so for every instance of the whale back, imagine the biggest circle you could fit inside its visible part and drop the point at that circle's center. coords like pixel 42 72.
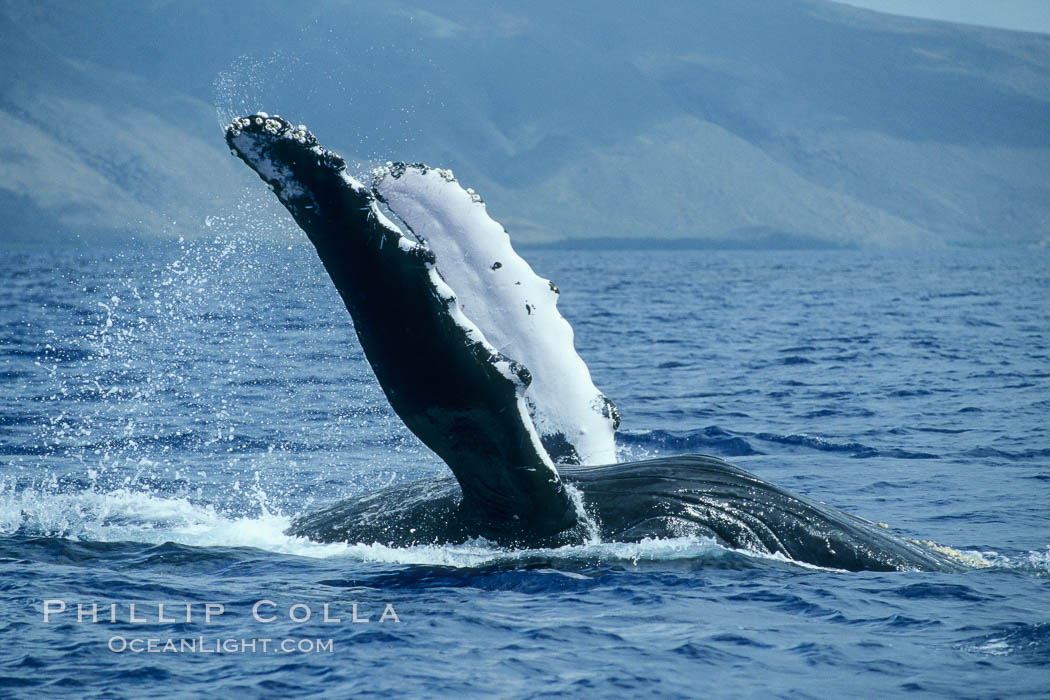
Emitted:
pixel 707 496
pixel 684 495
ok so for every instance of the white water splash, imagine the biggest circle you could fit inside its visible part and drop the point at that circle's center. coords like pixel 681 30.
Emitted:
pixel 131 516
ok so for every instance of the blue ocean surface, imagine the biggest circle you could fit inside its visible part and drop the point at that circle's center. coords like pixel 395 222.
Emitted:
pixel 166 411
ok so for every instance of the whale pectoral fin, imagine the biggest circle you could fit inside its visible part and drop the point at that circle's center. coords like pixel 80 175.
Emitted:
pixel 313 184
pixel 450 386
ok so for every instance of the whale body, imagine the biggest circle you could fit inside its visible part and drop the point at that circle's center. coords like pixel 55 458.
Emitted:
pixel 467 344
pixel 685 495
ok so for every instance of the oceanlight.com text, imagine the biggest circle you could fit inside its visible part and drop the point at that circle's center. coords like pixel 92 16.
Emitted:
pixel 216 645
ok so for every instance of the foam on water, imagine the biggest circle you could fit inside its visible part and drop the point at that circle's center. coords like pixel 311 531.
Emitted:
pixel 127 515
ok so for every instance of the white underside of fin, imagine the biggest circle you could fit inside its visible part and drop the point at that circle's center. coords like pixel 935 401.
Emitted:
pixel 514 308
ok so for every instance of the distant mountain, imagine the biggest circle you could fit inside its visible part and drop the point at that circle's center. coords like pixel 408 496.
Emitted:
pixel 723 123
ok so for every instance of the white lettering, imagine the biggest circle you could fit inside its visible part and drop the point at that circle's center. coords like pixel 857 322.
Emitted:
pixel 50 608
pixel 354 617
pixel 291 612
pixel 260 618
pixel 132 618
pixel 329 619
pixel 215 609
pixel 160 614
pixel 82 612
pixel 389 614
pixel 118 644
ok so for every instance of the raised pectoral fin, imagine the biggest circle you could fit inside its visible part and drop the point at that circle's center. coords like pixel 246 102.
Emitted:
pixel 451 387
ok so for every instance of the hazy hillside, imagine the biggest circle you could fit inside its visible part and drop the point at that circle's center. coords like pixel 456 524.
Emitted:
pixel 740 121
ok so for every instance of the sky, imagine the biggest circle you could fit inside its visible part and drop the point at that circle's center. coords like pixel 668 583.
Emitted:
pixel 1024 15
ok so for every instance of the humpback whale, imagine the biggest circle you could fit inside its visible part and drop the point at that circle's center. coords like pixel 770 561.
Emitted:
pixel 470 351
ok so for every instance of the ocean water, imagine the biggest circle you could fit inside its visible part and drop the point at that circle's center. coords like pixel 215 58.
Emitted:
pixel 165 412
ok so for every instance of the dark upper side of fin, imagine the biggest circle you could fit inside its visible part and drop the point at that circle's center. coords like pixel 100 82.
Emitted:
pixel 445 386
